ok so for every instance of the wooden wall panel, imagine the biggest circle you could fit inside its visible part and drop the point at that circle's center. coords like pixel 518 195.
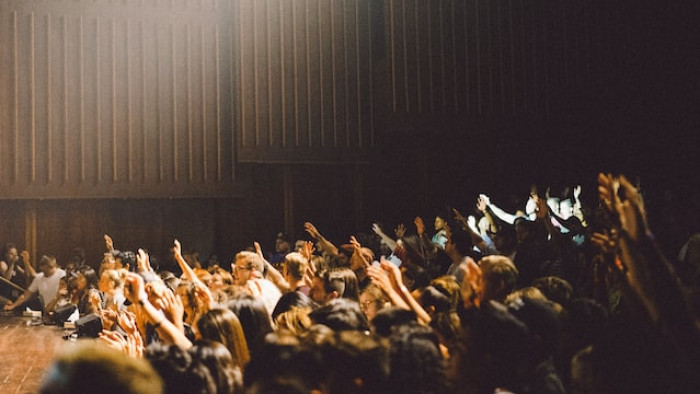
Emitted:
pixel 304 68
pixel 478 58
pixel 116 99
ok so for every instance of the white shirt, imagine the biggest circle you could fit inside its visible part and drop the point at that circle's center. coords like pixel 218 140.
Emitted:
pixel 47 287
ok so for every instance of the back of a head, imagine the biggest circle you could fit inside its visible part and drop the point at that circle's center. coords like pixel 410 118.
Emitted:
pixel 416 362
pixel 88 366
pixel 223 326
pixel 341 315
pixel 290 300
pixel 389 318
pixel 498 271
pixel 356 363
pixel 555 289
pixel 296 264
pixel 216 357
pixel 180 372
pixel 463 242
pixel 254 318
pixel 343 281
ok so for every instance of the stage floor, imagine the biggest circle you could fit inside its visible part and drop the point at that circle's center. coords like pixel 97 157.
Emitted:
pixel 25 352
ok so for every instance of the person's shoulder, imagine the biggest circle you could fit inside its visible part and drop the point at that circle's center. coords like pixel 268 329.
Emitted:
pixel 60 272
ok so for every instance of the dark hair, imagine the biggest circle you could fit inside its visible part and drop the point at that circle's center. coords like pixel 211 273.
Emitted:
pixel 341 314
pixel 386 319
pixel 223 326
pixel 254 318
pixel 179 370
pixel 216 357
pixel 355 362
pixel 341 280
pixel 86 366
pixel 128 257
pixel 90 275
pixel 292 299
pixel 415 360
pixel 555 289
pixel 463 242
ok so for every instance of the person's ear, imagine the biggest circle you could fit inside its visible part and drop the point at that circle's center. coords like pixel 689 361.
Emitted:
pixel 431 310
pixel 333 295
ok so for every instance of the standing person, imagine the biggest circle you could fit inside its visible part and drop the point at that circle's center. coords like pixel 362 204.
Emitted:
pixel 440 237
pixel 46 283
pixel 282 248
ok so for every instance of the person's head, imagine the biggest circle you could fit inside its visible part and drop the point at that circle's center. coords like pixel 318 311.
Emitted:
pixel 244 267
pixel 334 283
pixel 180 372
pixel 126 260
pixel 223 326
pixel 355 363
pixel 110 280
pixel 299 245
pixel 254 318
pixel 48 265
pixel 439 223
pixel 295 265
pixel 10 253
pixel 219 279
pixel 87 278
pixel 555 289
pixel 296 320
pixel 358 262
pixel 416 363
pixel 372 300
pixel 387 319
pixel 341 314
pixel 89 366
pixel 458 245
pixel 499 277
pixel 282 243
pixel 218 360
pixel 291 300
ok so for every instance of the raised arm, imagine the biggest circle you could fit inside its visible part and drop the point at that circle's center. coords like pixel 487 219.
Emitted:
pixel 390 243
pixel 135 291
pixel 186 269
pixel 498 212
pixel 272 273
pixel 323 244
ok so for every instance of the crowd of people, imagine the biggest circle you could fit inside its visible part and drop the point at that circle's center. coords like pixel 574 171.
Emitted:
pixel 556 297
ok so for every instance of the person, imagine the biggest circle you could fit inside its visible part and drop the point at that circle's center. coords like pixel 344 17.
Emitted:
pixel 458 247
pixel 46 283
pixel 282 248
pixel 372 300
pixel 90 366
pixel 223 326
pixel 16 267
pixel 248 270
pixel 440 237
pixel 332 284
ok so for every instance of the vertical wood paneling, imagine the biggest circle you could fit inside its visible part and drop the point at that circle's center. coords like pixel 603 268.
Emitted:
pixel 105 98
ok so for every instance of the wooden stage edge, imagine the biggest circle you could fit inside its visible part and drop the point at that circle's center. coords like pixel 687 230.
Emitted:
pixel 26 351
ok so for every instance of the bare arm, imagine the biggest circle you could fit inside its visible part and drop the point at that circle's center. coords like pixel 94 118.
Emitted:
pixel 186 269
pixel 323 244
pixel 387 240
pixel 272 273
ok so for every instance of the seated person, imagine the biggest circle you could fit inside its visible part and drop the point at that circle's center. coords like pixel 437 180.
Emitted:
pixel 46 283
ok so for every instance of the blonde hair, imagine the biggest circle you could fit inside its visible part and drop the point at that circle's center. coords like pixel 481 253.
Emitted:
pixel 296 320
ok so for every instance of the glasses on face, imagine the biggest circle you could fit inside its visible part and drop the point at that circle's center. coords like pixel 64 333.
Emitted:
pixel 240 268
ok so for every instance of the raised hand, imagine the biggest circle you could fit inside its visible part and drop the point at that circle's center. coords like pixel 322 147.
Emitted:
pixel 258 249
pixel 393 272
pixel 177 248
pixel 577 191
pixel 542 209
pixel 458 216
pixel 420 225
pixel 485 199
pixel 377 229
pixel 134 289
pixel 109 243
pixel 312 230
pixel 400 230
pixel 481 203
pixel 142 261
pixel 308 250
pixel 173 308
